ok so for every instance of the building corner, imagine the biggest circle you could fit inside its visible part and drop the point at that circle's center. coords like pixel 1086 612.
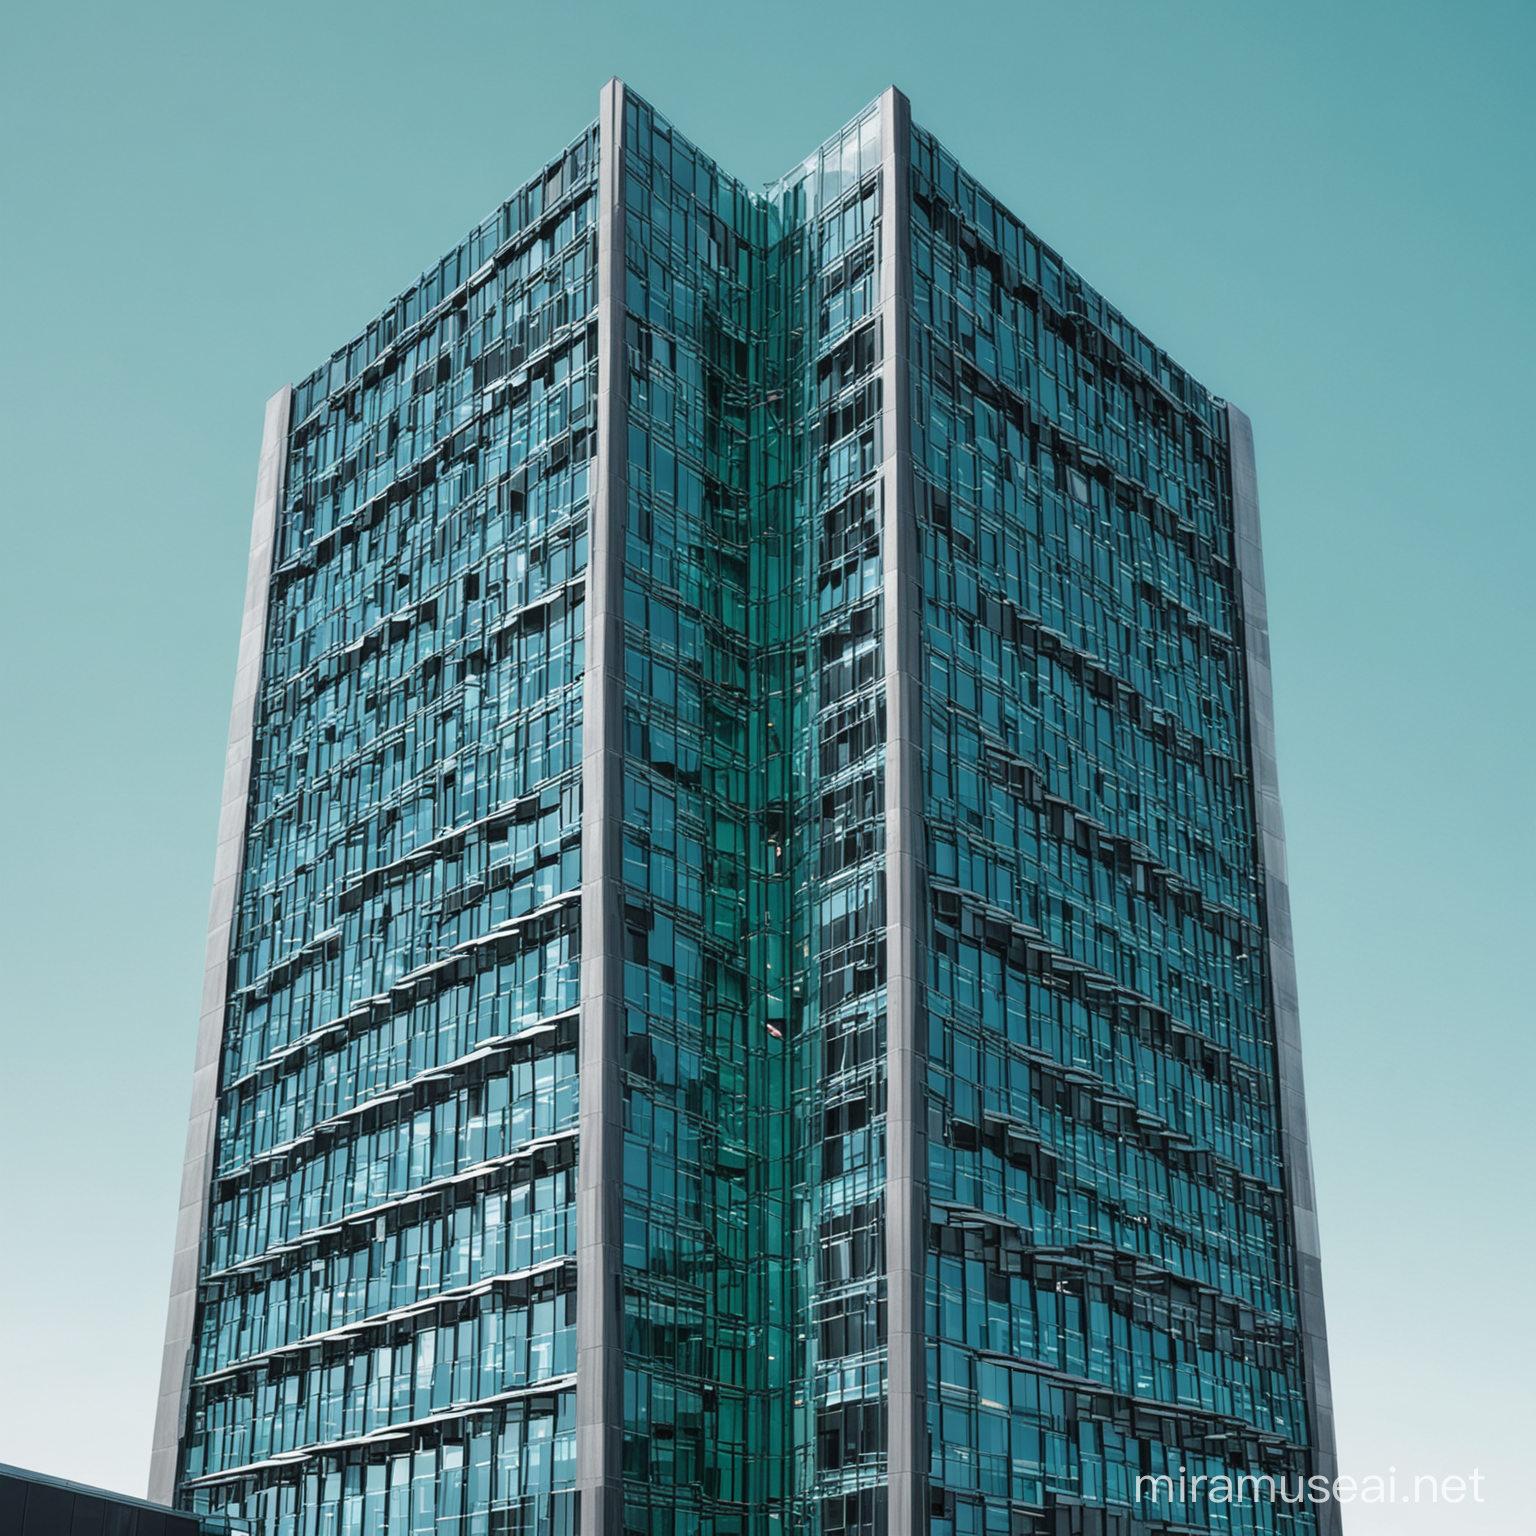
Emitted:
pixel 1281 957
pixel 906 1147
pixel 599 1299
pixel 176 1361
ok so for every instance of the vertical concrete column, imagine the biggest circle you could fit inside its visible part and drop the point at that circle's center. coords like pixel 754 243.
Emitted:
pixel 176 1362
pixel 1296 1146
pixel 906 1154
pixel 599 1208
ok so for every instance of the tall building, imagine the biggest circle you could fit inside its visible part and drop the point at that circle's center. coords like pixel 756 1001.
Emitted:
pixel 749 983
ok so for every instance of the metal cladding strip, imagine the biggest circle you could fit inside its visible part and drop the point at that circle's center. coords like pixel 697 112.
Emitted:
pixel 1282 955
pixel 176 1362
pixel 599 1212
pixel 906 1177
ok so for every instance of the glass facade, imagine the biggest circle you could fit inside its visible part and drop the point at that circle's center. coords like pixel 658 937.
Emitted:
pixel 707 1320
pixel 1112 1290
pixel 388 1258
pixel 949 1179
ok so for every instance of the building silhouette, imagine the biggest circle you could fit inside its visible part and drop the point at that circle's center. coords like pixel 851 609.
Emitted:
pixel 749 983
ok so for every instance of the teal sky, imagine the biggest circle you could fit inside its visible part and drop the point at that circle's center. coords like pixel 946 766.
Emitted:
pixel 1325 211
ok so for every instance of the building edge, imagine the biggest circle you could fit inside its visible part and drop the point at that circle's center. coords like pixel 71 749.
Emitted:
pixel 176 1361
pixel 906 1181
pixel 599 1211
pixel 1270 831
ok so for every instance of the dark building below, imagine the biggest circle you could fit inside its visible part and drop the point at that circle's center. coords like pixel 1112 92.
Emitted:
pixel 32 1504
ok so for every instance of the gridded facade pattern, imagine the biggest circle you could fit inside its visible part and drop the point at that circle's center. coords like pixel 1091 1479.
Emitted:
pixel 902 1104
pixel 1111 1282
pixel 388 1256
pixel 706 1308
pixel 830 337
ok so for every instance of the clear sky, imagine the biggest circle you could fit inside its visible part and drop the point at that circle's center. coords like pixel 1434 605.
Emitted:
pixel 1324 210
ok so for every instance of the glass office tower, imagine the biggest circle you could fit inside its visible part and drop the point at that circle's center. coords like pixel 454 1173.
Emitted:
pixel 749 982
